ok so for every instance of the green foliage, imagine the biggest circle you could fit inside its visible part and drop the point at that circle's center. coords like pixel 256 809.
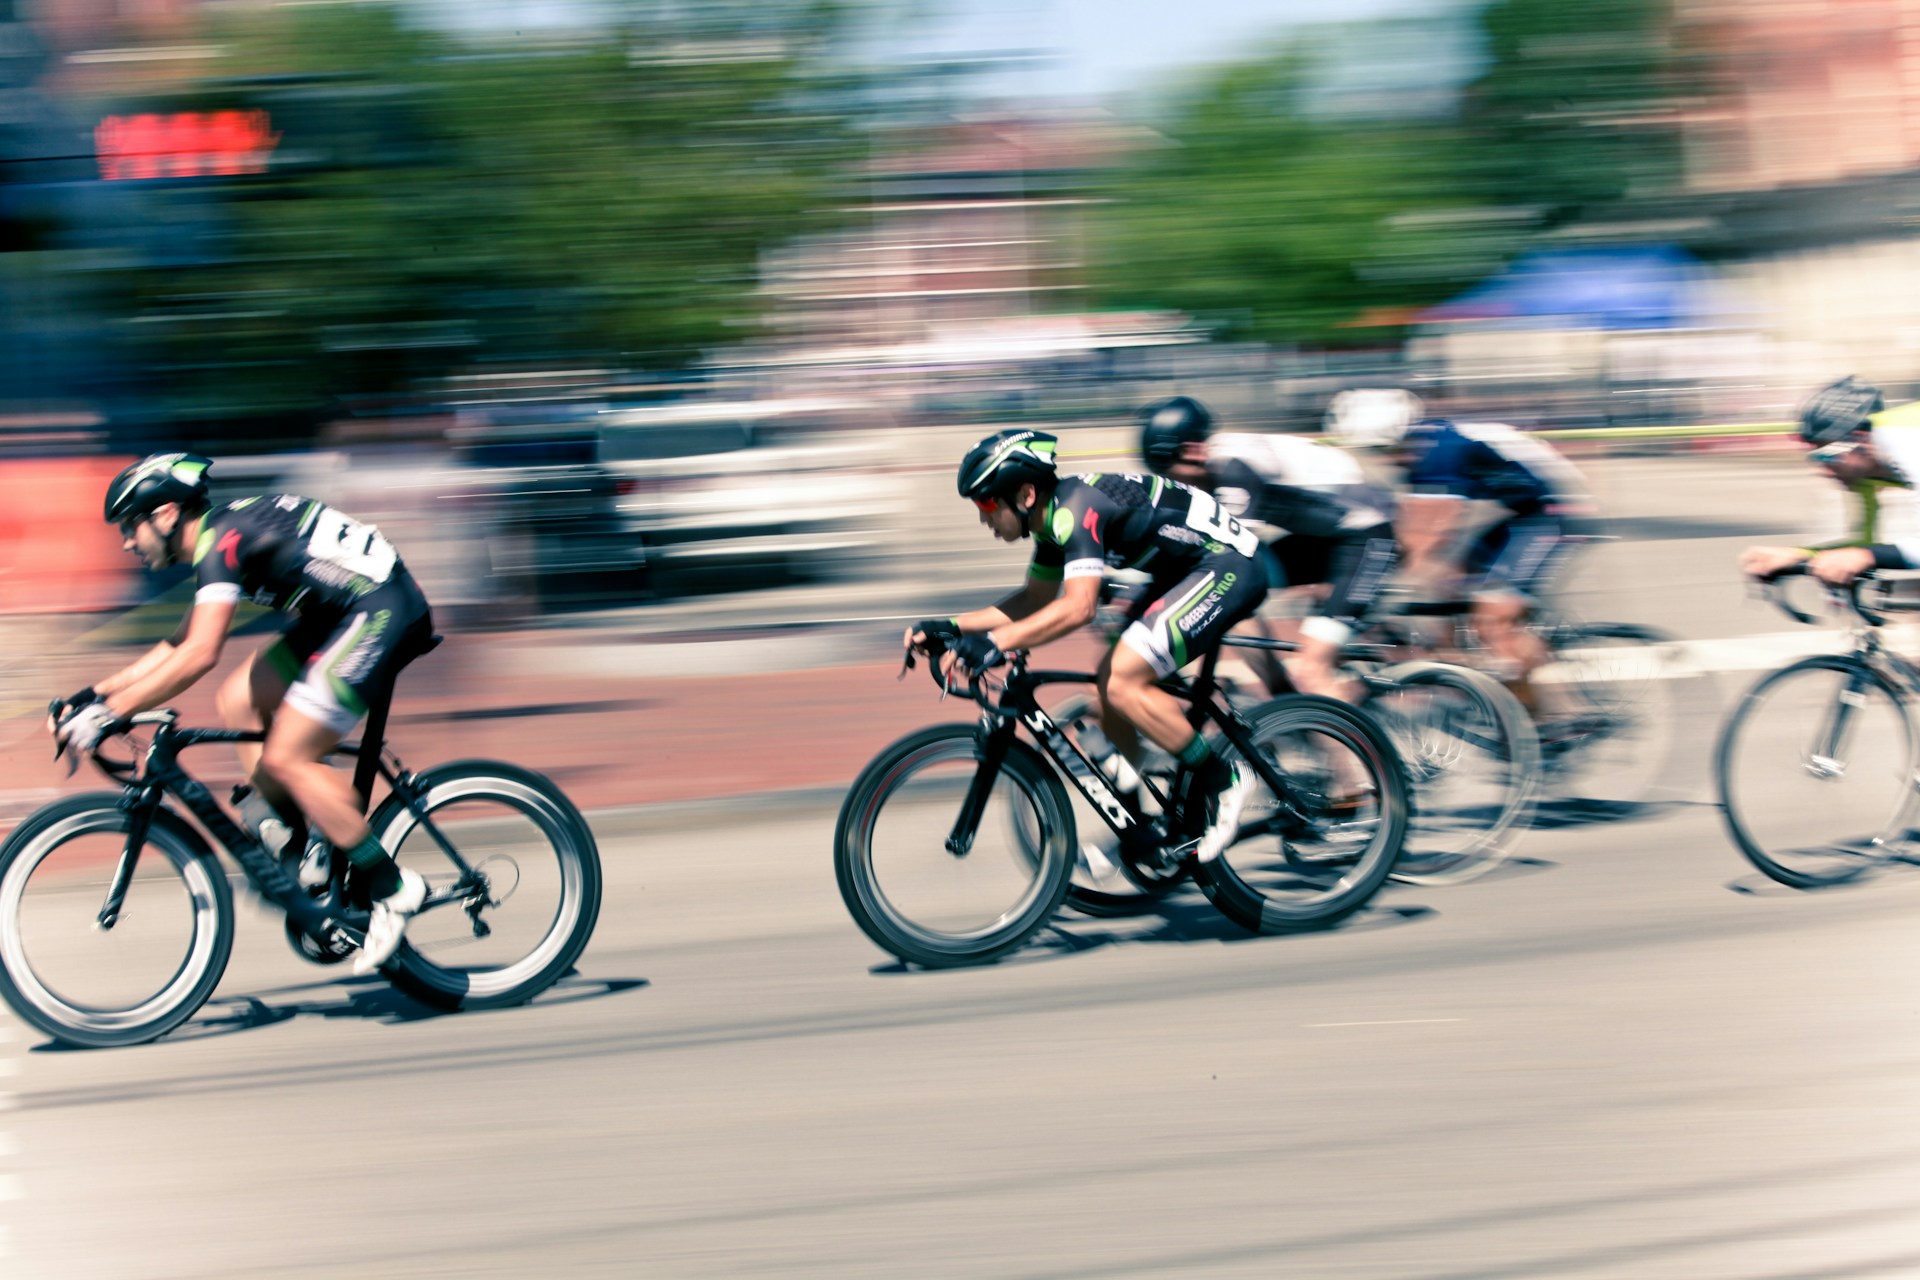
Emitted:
pixel 1265 217
pixel 1577 105
pixel 435 204
pixel 1280 220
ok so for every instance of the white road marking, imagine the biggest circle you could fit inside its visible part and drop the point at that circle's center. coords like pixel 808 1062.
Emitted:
pixel 1385 1022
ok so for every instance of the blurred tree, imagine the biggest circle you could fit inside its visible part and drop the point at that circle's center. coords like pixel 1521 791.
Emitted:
pixel 431 202
pixel 1261 212
pixel 1579 104
pixel 1287 220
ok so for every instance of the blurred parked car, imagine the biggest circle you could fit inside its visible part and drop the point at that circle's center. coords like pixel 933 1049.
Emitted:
pixel 733 494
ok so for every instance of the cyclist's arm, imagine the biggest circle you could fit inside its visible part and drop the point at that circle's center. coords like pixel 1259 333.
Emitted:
pixel 1036 595
pixel 172 666
pixel 1066 612
pixel 144 664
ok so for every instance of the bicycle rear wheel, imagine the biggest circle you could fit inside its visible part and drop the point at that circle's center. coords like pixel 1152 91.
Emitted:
pixel 929 906
pixel 517 927
pixel 98 988
pixel 1474 762
pixel 1614 693
pixel 1319 850
pixel 1815 772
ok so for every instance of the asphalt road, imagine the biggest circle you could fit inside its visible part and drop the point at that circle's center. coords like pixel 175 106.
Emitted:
pixel 1626 1055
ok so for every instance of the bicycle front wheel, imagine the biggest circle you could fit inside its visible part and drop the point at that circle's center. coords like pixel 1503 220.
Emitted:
pixel 1318 849
pixel 102 988
pixel 1474 762
pixel 916 898
pixel 1815 771
pixel 516 922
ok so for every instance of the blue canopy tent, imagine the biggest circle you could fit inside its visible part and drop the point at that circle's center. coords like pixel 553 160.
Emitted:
pixel 1639 287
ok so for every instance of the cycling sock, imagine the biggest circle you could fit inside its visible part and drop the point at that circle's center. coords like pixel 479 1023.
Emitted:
pixel 370 859
pixel 1195 753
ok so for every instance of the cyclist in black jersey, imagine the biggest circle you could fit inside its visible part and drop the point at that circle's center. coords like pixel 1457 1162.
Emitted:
pixel 1205 579
pixel 358 619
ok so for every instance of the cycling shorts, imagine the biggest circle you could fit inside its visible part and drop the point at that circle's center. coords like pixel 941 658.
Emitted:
pixel 1521 556
pixel 1356 566
pixel 338 665
pixel 1172 627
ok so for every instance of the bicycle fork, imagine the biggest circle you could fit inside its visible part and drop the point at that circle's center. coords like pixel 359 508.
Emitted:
pixel 139 808
pixel 1826 759
pixel 996 736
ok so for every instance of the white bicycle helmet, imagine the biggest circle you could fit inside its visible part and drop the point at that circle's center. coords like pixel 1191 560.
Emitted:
pixel 1372 418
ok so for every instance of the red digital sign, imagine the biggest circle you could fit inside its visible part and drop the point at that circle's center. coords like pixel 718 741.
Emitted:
pixel 184 144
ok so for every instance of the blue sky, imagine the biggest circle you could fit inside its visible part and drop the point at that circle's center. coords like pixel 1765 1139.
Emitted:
pixel 1075 48
pixel 1100 47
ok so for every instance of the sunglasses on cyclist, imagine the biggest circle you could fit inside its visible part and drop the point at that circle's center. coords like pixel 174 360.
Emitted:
pixel 988 505
pixel 1827 454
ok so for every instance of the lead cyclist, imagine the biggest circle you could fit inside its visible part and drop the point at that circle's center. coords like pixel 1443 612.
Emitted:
pixel 359 618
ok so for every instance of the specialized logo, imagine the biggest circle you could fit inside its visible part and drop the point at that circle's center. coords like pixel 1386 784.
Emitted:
pixel 229 546
pixel 1092 524
pixel 1088 779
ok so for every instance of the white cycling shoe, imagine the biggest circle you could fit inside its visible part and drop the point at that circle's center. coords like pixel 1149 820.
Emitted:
pixel 1226 806
pixel 388 927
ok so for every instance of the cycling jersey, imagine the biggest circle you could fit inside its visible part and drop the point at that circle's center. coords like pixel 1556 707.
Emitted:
pixel 1205 577
pixel 1492 462
pixel 1295 485
pixel 359 616
pixel 1097 522
pixel 289 554
pixel 1886 508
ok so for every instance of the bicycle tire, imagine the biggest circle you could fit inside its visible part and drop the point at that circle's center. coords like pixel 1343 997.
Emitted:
pixel 1337 875
pixel 875 910
pixel 1827 861
pixel 196 974
pixel 577 859
pixel 1449 842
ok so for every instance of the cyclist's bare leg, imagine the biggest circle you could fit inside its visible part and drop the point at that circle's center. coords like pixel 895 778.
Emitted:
pixel 1501 621
pixel 1131 697
pixel 294 760
pixel 247 700
pixel 1265 663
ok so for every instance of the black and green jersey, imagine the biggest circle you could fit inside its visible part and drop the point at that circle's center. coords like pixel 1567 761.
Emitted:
pixel 1097 522
pixel 291 554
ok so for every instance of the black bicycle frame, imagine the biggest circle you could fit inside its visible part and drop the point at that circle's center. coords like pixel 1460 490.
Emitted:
pixel 1018 706
pixel 162 775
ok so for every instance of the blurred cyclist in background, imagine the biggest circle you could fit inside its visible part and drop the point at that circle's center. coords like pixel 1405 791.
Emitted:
pixel 1872 452
pixel 1323 524
pixel 359 620
pixel 1205 578
pixel 1513 563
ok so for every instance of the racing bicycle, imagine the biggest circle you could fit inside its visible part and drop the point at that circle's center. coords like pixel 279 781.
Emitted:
pixel 117 920
pixel 1816 767
pixel 958 843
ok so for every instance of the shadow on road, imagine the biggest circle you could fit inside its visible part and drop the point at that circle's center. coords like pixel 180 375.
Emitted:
pixel 1183 919
pixel 1557 815
pixel 370 999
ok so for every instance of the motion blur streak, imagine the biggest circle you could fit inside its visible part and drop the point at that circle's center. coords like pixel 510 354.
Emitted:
pixel 650 334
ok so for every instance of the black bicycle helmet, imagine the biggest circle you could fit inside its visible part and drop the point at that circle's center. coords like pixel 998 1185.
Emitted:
pixel 1005 460
pixel 155 481
pixel 1169 426
pixel 1839 410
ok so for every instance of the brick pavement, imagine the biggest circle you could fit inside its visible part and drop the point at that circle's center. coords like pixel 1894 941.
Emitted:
pixel 608 740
